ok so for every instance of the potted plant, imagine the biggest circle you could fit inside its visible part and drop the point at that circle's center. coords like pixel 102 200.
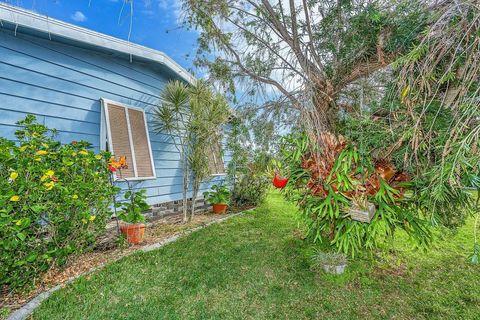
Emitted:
pixel 279 181
pixel 361 209
pixel 219 198
pixel 330 262
pixel 131 213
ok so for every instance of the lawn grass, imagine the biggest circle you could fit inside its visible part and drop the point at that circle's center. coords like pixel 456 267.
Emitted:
pixel 256 266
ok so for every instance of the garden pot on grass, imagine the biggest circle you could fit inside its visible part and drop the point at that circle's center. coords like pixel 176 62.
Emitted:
pixel 220 208
pixel 334 269
pixel 133 232
pixel 330 262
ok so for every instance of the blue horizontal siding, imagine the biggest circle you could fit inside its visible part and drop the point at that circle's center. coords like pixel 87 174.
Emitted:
pixel 43 108
pixel 62 86
pixel 83 61
pixel 142 73
pixel 8 132
pixel 167 193
pixel 88 90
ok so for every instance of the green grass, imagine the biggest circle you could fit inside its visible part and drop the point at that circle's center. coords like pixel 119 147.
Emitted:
pixel 256 267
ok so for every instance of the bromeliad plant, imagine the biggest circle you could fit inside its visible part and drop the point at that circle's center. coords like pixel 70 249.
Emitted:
pixel 54 202
pixel 326 182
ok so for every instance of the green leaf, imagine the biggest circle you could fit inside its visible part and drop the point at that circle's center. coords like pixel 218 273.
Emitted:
pixel 37 208
pixel 21 236
pixel 31 257
pixel 474 259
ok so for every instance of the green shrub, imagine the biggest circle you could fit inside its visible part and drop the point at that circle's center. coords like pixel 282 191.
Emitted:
pixel 247 169
pixel 54 202
pixel 250 189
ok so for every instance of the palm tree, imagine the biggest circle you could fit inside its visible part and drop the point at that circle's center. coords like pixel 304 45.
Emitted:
pixel 192 117
pixel 209 112
pixel 171 117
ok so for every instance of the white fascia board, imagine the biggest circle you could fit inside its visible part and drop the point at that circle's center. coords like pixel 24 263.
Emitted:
pixel 29 19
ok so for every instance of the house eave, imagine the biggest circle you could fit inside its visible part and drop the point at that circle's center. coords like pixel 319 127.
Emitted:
pixel 26 19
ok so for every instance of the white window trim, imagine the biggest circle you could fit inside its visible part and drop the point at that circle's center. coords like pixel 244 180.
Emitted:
pixel 106 134
pixel 222 158
pixel 218 174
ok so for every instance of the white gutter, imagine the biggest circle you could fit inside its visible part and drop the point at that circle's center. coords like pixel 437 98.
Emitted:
pixel 31 20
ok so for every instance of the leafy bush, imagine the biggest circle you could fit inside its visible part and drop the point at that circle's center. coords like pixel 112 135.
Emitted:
pixel 219 195
pixel 54 201
pixel 250 188
pixel 246 172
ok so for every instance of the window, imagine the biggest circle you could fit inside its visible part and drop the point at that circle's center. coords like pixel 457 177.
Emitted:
pixel 127 135
pixel 215 162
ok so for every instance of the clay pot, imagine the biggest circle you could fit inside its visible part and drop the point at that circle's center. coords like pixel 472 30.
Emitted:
pixel 133 232
pixel 220 208
pixel 279 182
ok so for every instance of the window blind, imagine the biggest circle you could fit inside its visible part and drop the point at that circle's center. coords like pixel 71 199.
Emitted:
pixel 127 135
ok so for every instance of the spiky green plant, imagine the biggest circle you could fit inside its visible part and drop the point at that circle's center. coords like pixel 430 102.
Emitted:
pixel 192 117
pixel 172 117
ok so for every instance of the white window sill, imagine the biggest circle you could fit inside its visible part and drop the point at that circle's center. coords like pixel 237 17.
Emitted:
pixel 218 175
pixel 136 179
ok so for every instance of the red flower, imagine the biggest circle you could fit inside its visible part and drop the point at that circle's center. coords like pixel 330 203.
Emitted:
pixel 112 168
pixel 54 178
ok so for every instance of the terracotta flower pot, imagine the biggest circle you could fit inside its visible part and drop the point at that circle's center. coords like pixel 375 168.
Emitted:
pixel 279 182
pixel 220 208
pixel 133 232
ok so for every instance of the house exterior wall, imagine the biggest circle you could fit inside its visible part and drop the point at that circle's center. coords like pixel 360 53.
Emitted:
pixel 62 86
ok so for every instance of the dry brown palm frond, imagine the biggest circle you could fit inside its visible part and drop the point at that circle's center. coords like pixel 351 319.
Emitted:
pixel 445 69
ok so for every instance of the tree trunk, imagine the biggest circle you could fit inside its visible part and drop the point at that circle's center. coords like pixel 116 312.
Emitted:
pixel 184 200
pixel 185 189
pixel 326 113
pixel 194 199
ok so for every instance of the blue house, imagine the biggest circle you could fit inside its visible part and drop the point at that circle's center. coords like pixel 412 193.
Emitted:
pixel 93 87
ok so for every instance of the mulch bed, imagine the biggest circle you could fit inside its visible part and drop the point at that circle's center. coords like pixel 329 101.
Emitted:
pixel 106 251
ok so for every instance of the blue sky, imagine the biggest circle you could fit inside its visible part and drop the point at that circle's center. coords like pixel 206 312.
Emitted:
pixel 155 22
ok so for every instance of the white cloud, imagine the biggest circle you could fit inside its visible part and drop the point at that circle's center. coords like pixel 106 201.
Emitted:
pixel 78 16
pixel 168 9
pixel 170 6
pixel 162 4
